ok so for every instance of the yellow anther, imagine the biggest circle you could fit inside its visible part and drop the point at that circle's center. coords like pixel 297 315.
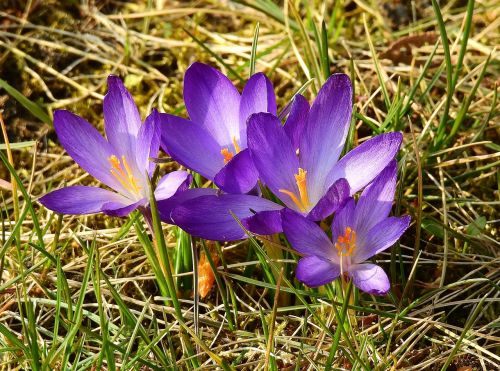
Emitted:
pixel 294 198
pixel 346 243
pixel 122 172
pixel 115 164
pixel 302 202
pixel 300 178
pixel 236 146
pixel 227 154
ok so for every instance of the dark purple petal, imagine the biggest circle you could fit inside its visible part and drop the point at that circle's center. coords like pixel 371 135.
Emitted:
pixel 239 175
pixel 343 218
pixel 273 155
pixel 361 165
pixel 314 271
pixel 86 146
pixel 370 278
pixel 375 203
pixel 210 217
pixel 264 222
pixel 121 118
pixel 326 130
pixel 306 236
pixel 212 102
pixel 190 145
pixel 257 96
pixel 117 209
pixel 296 121
pixel 382 236
pixel 172 182
pixel 166 206
pixel 331 201
pixel 81 200
pixel 148 142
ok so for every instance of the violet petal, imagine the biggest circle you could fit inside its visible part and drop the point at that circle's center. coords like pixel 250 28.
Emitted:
pixel 273 155
pixel 370 278
pixel 190 145
pixel 297 119
pixel 86 146
pixel 212 102
pixel 382 236
pixel 172 182
pixel 82 200
pixel 361 165
pixel 121 118
pixel 257 96
pixel 264 223
pixel 326 130
pixel 306 236
pixel 239 175
pixel 334 198
pixel 314 271
pixel 211 217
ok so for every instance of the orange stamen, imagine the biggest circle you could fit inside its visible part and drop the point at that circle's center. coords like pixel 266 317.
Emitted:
pixel 122 172
pixel 236 146
pixel 227 154
pixel 346 243
pixel 300 178
pixel 302 202
pixel 294 199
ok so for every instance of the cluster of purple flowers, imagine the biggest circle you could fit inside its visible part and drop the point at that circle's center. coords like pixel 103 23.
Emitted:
pixel 238 142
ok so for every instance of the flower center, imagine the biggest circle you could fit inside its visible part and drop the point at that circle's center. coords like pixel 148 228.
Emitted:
pixel 302 201
pixel 346 243
pixel 122 172
pixel 227 154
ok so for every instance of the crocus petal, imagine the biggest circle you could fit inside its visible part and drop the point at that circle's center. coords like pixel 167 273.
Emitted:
pixel 382 236
pixel 239 175
pixel 343 218
pixel 296 121
pixel 121 118
pixel 210 217
pixel 264 223
pixel 190 145
pixel 306 236
pixel 326 130
pixel 212 102
pixel 171 183
pixel 314 271
pixel 119 210
pixel 334 198
pixel 257 96
pixel 86 146
pixel 167 205
pixel 370 278
pixel 81 200
pixel 148 142
pixel 273 155
pixel 378 152
pixel 374 204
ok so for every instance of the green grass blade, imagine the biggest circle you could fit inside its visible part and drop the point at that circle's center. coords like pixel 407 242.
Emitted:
pixel 253 54
pixel 34 108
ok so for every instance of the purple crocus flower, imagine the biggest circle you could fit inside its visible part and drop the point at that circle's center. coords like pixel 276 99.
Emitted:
pixel 214 141
pixel 359 231
pixel 212 215
pixel 299 162
pixel 121 161
pixel 313 181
